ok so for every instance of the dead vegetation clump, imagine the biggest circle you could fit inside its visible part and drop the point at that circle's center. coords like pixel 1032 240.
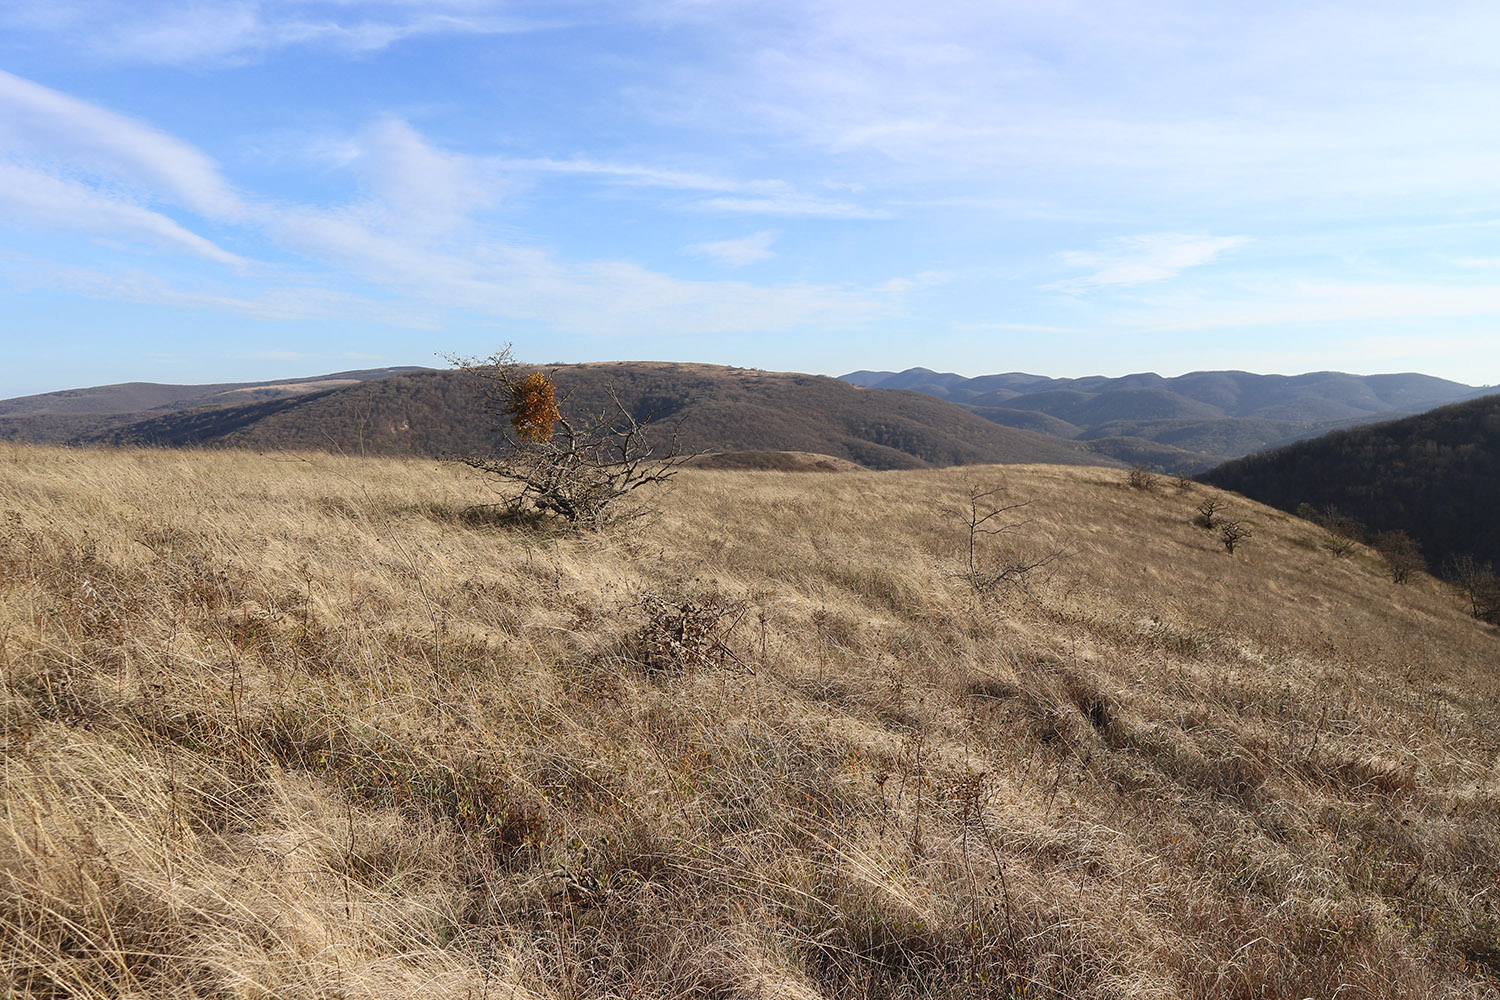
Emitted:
pixel 284 727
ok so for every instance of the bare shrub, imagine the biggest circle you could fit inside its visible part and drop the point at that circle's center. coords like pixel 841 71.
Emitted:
pixel 1141 478
pixel 1184 483
pixel 687 635
pixel 1232 534
pixel 1403 556
pixel 1344 531
pixel 1480 586
pixel 550 463
pixel 989 566
pixel 1208 512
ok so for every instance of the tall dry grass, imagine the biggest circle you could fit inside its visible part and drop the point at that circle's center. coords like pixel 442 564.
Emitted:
pixel 300 726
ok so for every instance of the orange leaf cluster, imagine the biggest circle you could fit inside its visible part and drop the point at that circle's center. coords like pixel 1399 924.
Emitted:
pixel 533 407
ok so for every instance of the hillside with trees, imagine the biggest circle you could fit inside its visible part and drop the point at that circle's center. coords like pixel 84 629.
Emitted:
pixel 711 408
pixel 1435 476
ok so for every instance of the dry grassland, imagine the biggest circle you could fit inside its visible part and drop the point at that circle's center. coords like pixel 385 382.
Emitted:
pixel 297 726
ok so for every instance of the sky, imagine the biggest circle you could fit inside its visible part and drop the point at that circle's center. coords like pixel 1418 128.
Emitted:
pixel 230 191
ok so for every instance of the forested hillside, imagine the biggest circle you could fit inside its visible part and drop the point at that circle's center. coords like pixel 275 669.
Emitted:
pixel 1435 476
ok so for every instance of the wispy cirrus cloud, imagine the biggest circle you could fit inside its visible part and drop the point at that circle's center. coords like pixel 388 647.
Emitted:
pixel 1139 260
pixel 173 32
pixel 34 198
pixel 742 252
pixel 418 233
pixel 49 127
pixel 757 196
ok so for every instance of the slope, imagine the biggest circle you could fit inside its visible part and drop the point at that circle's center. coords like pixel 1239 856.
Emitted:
pixel 1435 475
pixel 307 728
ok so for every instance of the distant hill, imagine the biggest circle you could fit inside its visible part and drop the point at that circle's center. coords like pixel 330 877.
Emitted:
pixel 1203 417
pixel 1435 475
pixel 429 413
pixel 134 397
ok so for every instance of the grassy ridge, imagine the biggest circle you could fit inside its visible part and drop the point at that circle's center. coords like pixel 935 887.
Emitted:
pixel 299 726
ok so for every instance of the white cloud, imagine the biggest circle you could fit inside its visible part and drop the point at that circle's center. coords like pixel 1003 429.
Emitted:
pixel 32 198
pixel 270 302
pixel 738 253
pixel 1289 304
pixel 1138 260
pixel 50 126
pixel 176 32
pixel 761 196
pixel 417 232
pixel 792 205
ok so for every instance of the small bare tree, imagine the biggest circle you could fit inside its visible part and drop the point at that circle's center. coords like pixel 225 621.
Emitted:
pixel 1480 585
pixel 1232 533
pixel 1403 556
pixel 1208 511
pixel 576 467
pixel 986 515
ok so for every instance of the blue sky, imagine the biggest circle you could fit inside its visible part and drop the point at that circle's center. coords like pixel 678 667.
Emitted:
pixel 197 191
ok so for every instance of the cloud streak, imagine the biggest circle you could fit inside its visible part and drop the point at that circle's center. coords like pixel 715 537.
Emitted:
pixel 52 126
pixel 743 252
pixel 237 32
pixel 418 232
pixel 1139 260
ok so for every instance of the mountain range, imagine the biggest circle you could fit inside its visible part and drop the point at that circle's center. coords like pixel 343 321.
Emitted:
pixel 1182 424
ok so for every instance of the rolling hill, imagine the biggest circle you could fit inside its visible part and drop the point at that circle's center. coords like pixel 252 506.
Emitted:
pixel 310 729
pixel 1435 475
pixel 135 397
pixel 1196 420
pixel 719 409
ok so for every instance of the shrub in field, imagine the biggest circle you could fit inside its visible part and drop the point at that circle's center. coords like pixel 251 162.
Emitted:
pixel 986 515
pixel 578 467
pixel 1480 586
pixel 1141 478
pixel 1232 534
pixel 1208 512
pixel 1403 556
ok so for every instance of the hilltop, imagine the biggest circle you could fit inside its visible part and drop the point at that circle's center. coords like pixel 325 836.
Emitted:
pixel 1435 475
pixel 299 725
pixel 1180 424
pixel 135 397
pixel 719 409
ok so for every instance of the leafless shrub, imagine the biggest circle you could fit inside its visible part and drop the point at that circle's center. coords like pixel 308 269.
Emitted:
pixel 548 462
pixel 1344 530
pixel 1184 483
pixel 1208 511
pixel 1480 586
pixel 1141 478
pixel 988 566
pixel 1232 534
pixel 687 635
pixel 1403 556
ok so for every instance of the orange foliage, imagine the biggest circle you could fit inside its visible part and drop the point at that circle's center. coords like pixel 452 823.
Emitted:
pixel 533 407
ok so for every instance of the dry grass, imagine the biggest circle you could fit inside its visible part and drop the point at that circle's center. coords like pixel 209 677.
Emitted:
pixel 283 726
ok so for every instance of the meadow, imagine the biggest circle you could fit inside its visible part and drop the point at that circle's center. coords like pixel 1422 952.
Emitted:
pixel 303 726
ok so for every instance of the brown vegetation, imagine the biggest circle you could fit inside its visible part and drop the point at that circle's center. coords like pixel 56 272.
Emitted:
pixel 300 726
